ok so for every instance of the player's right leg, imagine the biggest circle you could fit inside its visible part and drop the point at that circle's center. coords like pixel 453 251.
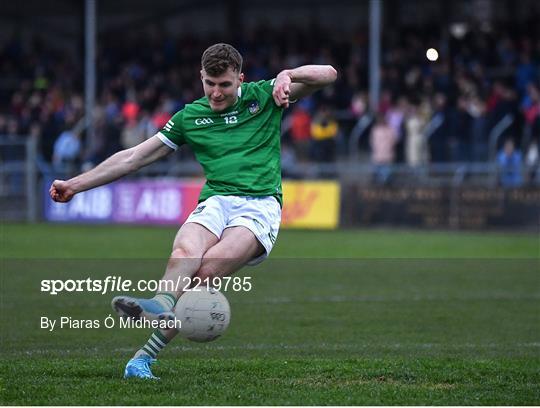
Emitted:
pixel 190 244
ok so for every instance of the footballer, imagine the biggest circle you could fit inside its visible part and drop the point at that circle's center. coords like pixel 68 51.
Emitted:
pixel 234 131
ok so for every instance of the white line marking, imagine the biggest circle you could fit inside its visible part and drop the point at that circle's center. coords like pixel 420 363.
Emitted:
pixel 413 298
pixel 304 347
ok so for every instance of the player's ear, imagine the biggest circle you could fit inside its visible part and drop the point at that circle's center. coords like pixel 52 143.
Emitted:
pixel 241 77
pixel 202 73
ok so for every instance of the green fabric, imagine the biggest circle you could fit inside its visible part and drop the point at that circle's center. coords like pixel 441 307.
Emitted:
pixel 239 148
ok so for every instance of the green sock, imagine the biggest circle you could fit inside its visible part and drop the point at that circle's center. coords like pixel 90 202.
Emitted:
pixel 154 345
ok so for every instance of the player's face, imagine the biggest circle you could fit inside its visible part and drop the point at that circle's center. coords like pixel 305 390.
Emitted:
pixel 222 91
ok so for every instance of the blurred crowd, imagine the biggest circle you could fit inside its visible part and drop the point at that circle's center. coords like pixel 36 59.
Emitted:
pixel 479 102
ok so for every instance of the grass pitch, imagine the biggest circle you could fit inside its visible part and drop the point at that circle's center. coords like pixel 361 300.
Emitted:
pixel 334 318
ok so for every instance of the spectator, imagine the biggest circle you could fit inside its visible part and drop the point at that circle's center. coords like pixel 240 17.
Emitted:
pixel 530 107
pixel 13 152
pixel 532 161
pixel 67 149
pixel 130 111
pixel 510 165
pixel 3 124
pixel 288 161
pixel 476 108
pixel 358 105
pixel 300 130
pixel 138 73
pixel 324 132
pixel 132 134
pixel 525 72
pixel 415 143
pixel 395 116
pixel 383 140
pixel 10 154
pixel 440 129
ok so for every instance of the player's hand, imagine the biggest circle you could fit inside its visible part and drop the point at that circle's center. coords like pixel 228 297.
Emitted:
pixel 282 89
pixel 61 192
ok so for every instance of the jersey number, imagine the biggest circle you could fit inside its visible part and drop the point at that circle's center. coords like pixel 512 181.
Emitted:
pixel 229 120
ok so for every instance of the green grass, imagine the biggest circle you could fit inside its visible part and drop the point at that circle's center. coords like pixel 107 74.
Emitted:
pixel 393 318
pixel 90 241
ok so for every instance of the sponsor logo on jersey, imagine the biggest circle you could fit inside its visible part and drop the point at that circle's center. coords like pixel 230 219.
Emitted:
pixel 203 121
pixel 253 107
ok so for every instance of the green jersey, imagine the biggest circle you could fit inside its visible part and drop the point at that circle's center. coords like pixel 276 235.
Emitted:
pixel 238 148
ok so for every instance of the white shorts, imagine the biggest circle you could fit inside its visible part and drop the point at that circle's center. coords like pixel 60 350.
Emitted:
pixel 261 215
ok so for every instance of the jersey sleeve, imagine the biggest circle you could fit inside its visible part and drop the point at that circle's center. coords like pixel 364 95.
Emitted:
pixel 172 134
pixel 266 85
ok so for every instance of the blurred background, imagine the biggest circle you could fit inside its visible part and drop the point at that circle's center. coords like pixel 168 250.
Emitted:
pixel 434 121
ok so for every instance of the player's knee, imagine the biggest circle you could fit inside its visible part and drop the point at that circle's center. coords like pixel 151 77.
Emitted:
pixel 186 252
pixel 207 272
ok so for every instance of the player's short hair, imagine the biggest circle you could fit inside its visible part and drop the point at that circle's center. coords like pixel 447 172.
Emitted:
pixel 219 57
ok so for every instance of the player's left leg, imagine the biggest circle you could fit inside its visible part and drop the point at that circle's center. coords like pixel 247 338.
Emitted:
pixel 237 246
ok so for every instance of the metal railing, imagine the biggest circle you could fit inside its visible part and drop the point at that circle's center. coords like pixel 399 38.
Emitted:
pixel 435 174
pixel 20 175
pixel 18 178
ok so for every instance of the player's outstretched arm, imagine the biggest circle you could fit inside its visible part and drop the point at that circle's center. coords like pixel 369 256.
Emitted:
pixel 118 165
pixel 292 84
